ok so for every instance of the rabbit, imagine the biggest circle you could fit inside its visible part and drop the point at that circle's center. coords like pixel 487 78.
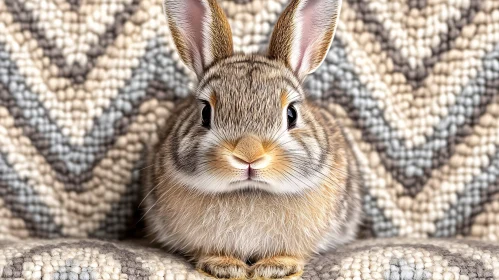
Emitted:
pixel 250 177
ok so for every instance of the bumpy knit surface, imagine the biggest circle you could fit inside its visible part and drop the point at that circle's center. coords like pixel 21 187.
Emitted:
pixel 85 85
pixel 401 259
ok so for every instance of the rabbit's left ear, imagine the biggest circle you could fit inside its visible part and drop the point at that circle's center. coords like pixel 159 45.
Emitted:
pixel 303 34
pixel 200 31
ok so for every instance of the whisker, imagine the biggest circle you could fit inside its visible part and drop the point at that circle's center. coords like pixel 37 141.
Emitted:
pixel 310 161
pixel 322 177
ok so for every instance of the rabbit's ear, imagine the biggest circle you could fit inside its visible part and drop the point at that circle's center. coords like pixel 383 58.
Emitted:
pixel 303 34
pixel 200 31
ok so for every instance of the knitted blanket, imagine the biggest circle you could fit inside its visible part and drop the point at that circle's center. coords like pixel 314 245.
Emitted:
pixel 85 86
pixel 403 259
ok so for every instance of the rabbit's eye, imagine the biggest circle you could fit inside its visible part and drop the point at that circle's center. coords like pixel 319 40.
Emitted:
pixel 292 116
pixel 206 114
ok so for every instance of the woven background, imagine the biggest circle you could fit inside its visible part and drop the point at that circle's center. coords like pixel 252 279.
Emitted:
pixel 84 86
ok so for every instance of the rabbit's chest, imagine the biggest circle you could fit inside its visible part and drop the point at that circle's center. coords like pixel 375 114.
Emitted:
pixel 250 226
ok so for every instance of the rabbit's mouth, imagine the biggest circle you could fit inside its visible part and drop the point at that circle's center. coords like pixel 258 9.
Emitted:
pixel 249 183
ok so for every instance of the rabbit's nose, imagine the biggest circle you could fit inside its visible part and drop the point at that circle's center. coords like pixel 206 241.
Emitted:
pixel 249 152
pixel 241 163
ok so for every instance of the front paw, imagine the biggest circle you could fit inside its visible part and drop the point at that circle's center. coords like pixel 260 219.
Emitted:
pixel 223 267
pixel 278 267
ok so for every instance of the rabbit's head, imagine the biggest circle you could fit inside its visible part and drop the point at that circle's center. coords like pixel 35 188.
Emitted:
pixel 249 124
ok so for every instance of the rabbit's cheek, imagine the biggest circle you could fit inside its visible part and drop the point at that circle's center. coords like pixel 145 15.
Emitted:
pixel 280 166
pixel 216 164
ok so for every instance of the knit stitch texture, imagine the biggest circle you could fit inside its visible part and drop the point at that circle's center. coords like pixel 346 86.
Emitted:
pixel 85 86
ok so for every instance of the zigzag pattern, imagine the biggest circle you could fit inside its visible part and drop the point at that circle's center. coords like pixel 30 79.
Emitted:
pixel 84 87
pixel 394 258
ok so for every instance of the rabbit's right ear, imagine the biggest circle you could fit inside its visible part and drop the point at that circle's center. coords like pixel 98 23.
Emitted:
pixel 200 31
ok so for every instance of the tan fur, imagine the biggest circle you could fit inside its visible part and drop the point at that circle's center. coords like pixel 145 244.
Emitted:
pixel 179 42
pixel 221 48
pixel 252 224
pixel 282 36
pixel 248 224
pixel 306 200
pixel 284 99
pixel 249 148
pixel 213 100
pixel 277 267
pixel 222 267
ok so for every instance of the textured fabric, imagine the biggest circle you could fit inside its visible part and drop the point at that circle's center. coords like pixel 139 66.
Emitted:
pixel 84 86
pixel 401 259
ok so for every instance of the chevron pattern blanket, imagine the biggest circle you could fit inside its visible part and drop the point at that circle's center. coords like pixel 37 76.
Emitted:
pixel 403 259
pixel 85 86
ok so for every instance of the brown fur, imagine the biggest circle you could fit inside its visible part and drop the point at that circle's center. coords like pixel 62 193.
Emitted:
pixel 284 99
pixel 305 201
pixel 220 26
pixel 281 39
pixel 179 42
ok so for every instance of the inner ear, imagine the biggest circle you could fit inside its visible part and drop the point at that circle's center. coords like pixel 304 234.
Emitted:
pixel 200 31
pixel 303 34
pixel 197 12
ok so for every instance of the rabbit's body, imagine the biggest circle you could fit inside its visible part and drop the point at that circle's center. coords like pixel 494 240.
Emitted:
pixel 252 224
pixel 249 170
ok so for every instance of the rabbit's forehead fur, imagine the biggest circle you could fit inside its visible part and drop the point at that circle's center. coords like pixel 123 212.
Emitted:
pixel 249 94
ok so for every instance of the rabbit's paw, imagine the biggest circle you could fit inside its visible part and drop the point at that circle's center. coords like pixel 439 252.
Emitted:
pixel 278 267
pixel 223 267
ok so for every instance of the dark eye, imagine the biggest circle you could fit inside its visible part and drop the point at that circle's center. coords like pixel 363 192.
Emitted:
pixel 292 116
pixel 206 115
